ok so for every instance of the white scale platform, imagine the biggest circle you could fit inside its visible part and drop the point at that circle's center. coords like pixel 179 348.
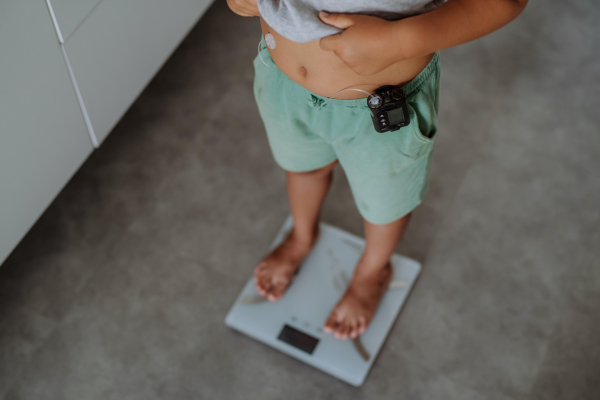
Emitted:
pixel 293 324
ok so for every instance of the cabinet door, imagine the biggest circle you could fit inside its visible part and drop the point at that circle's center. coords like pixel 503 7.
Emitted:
pixel 119 47
pixel 69 14
pixel 43 137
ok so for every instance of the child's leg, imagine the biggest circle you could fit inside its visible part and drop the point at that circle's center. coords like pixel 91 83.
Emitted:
pixel 351 316
pixel 306 192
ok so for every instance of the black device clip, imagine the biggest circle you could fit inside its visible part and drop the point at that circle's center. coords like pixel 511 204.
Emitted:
pixel 388 108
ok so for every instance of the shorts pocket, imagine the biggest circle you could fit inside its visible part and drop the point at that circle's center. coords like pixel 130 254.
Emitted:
pixel 423 128
pixel 424 105
pixel 388 153
pixel 265 86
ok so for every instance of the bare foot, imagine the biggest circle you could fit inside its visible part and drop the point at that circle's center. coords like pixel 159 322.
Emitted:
pixel 353 313
pixel 275 272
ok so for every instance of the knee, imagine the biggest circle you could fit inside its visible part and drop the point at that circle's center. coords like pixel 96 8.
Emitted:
pixel 320 172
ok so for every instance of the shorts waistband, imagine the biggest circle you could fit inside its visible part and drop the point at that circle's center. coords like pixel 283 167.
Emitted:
pixel 410 88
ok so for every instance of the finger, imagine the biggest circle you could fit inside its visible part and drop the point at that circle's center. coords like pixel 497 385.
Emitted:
pixel 340 21
pixel 249 12
pixel 253 11
pixel 330 43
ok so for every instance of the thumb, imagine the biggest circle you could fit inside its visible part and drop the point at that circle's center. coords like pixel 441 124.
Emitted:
pixel 330 43
pixel 340 21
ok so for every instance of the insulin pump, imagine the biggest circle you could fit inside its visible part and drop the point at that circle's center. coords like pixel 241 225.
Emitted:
pixel 388 108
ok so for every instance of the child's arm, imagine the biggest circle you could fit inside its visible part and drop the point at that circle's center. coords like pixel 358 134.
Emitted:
pixel 369 45
pixel 245 8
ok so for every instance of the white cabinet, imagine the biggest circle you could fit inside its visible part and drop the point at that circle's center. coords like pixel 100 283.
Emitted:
pixel 70 14
pixel 120 46
pixel 43 137
pixel 114 48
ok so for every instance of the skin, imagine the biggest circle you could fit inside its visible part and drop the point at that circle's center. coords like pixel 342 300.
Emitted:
pixel 370 52
pixel 323 72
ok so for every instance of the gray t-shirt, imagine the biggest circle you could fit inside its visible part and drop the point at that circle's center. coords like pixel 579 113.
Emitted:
pixel 298 20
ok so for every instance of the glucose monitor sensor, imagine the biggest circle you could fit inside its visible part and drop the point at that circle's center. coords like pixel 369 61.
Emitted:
pixel 270 41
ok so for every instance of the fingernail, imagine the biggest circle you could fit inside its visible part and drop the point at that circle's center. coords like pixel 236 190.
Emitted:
pixel 324 13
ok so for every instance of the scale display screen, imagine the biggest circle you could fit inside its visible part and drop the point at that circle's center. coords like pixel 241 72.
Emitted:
pixel 299 340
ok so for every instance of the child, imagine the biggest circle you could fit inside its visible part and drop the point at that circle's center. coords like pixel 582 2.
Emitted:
pixel 310 56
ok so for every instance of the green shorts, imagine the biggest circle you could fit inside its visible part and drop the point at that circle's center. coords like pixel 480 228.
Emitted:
pixel 387 172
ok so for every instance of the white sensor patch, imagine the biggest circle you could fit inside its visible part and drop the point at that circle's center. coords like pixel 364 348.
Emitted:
pixel 270 41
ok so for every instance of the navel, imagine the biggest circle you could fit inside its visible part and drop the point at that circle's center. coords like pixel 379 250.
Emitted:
pixel 303 72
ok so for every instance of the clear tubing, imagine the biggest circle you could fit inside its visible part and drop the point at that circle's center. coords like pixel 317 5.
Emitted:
pixel 343 90
pixel 261 59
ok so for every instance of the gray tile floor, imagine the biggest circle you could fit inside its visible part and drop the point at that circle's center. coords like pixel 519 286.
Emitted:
pixel 120 289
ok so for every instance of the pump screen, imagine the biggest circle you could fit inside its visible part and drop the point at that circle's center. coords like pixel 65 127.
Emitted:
pixel 396 116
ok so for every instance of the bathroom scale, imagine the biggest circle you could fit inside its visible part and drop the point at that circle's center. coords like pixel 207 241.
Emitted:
pixel 294 323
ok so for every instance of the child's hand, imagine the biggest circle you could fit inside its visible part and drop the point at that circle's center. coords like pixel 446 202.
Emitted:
pixel 366 45
pixel 245 8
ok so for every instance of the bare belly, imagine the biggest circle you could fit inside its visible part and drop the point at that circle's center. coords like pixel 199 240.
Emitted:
pixel 323 73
